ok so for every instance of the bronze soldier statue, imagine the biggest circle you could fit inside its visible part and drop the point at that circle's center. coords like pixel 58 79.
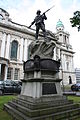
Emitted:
pixel 39 23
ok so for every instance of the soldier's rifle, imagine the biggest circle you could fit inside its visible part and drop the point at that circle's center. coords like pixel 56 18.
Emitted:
pixel 42 15
pixel 48 10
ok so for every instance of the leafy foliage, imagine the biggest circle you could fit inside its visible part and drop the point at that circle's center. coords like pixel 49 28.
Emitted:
pixel 75 21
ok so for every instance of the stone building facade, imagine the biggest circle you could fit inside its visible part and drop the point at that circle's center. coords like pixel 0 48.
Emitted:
pixel 14 42
pixel 65 52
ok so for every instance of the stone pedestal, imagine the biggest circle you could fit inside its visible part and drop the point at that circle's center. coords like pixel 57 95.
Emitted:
pixel 41 83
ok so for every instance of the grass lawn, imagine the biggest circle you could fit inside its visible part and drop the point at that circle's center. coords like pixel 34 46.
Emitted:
pixel 4 99
pixel 76 99
pixel 3 114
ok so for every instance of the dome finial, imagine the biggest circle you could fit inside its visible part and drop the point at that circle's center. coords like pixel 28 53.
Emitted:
pixel 59 25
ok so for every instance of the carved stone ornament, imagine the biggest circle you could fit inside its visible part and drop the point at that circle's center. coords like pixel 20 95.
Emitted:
pixel 41 64
pixel 41 48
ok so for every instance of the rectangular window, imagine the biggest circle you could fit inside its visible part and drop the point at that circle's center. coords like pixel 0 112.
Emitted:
pixel 9 73
pixel 16 74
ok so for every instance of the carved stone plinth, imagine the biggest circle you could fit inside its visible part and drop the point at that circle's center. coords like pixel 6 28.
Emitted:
pixel 41 77
pixel 39 83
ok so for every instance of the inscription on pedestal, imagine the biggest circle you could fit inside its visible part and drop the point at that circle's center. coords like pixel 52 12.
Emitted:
pixel 48 88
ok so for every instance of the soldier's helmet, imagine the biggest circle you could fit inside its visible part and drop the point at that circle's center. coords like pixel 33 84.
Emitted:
pixel 38 12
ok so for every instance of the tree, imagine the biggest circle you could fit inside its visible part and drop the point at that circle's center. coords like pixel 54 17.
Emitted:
pixel 75 21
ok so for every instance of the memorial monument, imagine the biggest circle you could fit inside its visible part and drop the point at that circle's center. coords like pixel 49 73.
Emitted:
pixel 41 96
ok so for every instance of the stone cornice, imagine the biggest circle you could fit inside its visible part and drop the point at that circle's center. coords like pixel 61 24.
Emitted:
pixel 9 27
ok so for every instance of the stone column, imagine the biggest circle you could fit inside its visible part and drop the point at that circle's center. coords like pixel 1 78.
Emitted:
pixel 72 64
pixel 3 45
pixel 18 52
pixel 63 61
pixel 21 50
pixel 6 69
pixel 12 74
pixel 25 50
pixel 7 46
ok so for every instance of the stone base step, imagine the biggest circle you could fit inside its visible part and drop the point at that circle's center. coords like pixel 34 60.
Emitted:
pixel 26 108
pixel 68 115
pixel 65 115
pixel 42 105
pixel 17 115
pixel 41 112
pixel 42 99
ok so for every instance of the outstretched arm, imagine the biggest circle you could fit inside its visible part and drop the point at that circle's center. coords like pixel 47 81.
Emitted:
pixel 32 24
pixel 45 16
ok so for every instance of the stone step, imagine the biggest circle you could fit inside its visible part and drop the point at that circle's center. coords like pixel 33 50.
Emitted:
pixel 76 117
pixel 41 112
pixel 17 115
pixel 42 105
pixel 72 114
pixel 42 99
pixel 65 115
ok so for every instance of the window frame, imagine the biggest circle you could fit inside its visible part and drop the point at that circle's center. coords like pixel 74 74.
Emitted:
pixel 14 52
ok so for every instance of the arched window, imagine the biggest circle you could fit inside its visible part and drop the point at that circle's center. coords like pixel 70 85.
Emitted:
pixel 14 48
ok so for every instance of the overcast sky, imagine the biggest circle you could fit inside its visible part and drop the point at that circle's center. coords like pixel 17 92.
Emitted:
pixel 24 11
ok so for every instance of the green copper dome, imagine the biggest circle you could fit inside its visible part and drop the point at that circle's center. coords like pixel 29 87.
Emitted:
pixel 59 24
